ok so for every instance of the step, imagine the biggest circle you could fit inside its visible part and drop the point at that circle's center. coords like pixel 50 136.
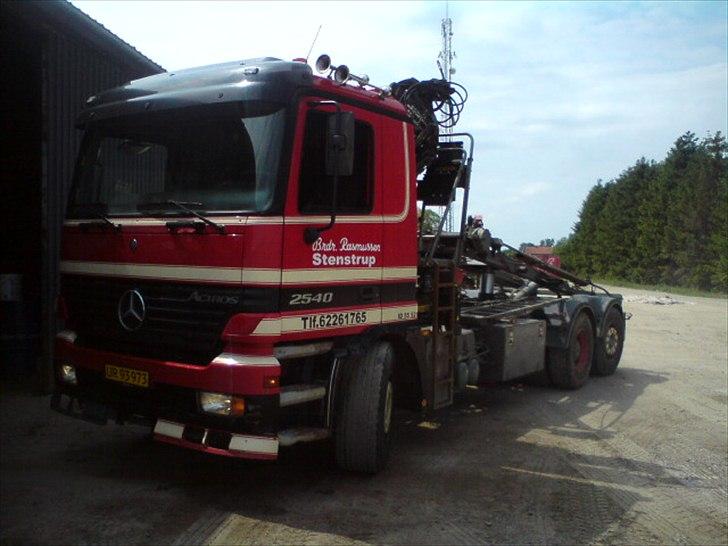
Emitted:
pixel 300 394
pixel 283 352
pixel 296 435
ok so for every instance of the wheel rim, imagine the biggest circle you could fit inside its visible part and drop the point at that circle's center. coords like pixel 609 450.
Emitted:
pixel 581 351
pixel 611 341
pixel 388 403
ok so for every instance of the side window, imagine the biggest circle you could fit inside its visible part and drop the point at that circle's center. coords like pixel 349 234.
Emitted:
pixel 354 194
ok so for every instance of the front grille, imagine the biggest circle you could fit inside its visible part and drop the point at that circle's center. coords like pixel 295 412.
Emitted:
pixel 182 323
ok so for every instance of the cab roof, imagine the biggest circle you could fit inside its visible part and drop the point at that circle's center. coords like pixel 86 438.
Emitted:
pixel 262 79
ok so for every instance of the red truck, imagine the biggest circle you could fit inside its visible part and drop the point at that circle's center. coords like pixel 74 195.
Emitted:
pixel 243 269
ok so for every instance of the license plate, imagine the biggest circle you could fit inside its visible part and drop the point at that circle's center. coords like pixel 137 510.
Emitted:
pixel 127 375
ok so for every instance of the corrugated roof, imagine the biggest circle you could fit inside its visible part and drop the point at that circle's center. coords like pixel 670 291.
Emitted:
pixel 130 48
pixel 61 15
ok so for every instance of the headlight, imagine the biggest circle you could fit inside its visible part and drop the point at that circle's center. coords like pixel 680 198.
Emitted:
pixel 68 374
pixel 221 404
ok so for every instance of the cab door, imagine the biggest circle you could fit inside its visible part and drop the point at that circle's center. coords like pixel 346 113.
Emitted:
pixel 332 285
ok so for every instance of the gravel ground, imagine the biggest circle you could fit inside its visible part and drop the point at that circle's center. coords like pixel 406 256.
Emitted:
pixel 639 457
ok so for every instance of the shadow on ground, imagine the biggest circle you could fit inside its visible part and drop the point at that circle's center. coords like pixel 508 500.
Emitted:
pixel 501 467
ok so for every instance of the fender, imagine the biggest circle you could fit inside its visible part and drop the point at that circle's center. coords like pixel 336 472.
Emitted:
pixel 560 317
pixel 606 305
pixel 600 305
pixel 407 372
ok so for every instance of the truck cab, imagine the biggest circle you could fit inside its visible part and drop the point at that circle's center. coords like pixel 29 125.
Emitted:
pixel 170 313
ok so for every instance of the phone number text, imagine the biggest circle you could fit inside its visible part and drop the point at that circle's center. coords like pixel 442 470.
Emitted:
pixel 333 320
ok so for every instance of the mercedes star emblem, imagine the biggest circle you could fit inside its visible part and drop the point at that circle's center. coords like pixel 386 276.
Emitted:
pixel 131 310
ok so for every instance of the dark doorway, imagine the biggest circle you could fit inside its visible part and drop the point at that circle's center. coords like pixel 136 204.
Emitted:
pixel 20 196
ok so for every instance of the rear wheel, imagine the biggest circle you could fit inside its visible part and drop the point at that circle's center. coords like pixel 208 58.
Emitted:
pixel 609 346
pixel 364 421
pixel 569 368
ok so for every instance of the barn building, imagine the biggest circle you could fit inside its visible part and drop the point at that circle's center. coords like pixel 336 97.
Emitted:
pixel 53 57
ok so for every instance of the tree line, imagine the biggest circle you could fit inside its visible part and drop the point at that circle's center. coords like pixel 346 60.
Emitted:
pixel 664 222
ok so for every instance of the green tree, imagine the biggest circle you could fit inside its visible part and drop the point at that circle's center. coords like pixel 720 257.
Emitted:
pixel 717 243
pixel 658 222
pixel 615 239
pixel 580 253
pixel 431 222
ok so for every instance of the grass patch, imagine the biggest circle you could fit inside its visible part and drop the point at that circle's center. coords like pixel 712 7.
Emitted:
pixel 681 290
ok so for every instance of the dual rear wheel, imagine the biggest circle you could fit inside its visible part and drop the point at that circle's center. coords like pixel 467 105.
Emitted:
pixel 569 368
pixel 609 346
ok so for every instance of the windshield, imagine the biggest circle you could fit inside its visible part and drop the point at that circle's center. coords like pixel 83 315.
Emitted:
pixel 214 157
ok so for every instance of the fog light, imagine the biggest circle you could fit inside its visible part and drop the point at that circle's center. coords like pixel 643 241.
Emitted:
pixel 221 404
pixel 68 374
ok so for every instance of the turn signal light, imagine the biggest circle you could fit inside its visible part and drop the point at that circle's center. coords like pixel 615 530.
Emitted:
pixel 271 382
pixel 238 406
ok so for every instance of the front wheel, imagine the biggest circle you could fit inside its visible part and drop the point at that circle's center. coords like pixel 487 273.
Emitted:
pixel 610 345
pixel 363 434
pixel 569 368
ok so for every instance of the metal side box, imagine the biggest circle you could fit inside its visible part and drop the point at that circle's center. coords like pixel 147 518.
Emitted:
pixel 515 349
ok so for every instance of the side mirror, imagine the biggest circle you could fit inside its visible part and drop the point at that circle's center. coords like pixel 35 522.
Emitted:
pixel 339 159
pixel 340 144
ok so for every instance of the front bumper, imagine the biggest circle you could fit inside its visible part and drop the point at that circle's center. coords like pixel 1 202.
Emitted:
pixel 169 403
pixel 191 436
pixel 215 441
pixel 228 373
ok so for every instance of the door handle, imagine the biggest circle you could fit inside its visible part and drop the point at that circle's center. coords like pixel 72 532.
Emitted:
pixel 369 293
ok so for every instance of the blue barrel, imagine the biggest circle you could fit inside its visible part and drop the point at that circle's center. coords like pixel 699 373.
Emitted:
pixel 19 329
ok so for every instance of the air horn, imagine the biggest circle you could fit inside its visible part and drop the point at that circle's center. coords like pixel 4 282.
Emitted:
pixel 341 73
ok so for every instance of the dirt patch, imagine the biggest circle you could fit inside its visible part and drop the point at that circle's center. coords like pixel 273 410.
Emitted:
pixel 665 299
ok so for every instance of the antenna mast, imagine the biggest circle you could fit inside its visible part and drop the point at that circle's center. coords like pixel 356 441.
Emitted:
pixel 444 61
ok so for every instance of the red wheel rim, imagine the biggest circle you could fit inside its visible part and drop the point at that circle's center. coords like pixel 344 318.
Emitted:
pixel 581 360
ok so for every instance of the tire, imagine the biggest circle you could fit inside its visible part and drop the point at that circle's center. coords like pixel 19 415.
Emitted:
pixel 610 345
pixel 363 433
pixel 569 368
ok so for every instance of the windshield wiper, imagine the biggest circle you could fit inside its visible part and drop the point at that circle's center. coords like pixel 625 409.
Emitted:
pixel 103 220
pixel 184 206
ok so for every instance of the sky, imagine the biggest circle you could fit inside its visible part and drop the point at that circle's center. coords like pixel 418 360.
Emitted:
pixel 561 94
